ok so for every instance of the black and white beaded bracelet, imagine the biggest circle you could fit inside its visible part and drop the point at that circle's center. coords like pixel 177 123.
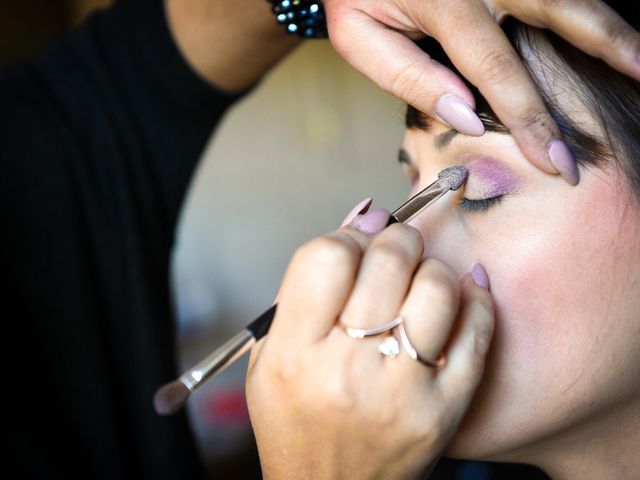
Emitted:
pixel 305 18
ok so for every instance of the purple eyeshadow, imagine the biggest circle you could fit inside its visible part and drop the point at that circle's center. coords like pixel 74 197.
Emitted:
pixel 488 178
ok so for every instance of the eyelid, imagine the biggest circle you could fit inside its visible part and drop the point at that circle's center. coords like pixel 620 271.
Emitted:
pixel 489 178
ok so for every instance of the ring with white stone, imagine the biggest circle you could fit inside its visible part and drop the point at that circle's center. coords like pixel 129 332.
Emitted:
pixel 359 333
pixel 413 353
pixel 389 347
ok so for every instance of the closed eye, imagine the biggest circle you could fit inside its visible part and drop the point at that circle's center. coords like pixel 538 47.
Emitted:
pixel 479 205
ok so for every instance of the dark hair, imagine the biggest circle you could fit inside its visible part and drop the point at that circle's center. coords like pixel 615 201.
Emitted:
pixel 612 97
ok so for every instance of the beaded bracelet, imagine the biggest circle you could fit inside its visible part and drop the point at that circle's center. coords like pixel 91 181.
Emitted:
pixel 305 18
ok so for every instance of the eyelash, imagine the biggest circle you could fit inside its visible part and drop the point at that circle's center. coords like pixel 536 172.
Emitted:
pixel 479 205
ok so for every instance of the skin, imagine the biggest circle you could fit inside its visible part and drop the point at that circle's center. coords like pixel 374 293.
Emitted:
pixel 228 46
pixel 561 389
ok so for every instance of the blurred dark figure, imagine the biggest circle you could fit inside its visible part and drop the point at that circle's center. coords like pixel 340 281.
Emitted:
pixel 27 25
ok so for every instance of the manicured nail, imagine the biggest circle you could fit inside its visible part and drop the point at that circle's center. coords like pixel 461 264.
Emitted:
pixel 561 158
pixel 360 208
pixel 373 221
pixel 456 113
pixel 480 276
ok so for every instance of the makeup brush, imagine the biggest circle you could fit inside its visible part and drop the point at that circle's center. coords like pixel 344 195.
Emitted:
pixel 171 397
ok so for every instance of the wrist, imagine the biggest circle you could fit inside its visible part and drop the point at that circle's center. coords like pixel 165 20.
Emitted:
pixel 305 18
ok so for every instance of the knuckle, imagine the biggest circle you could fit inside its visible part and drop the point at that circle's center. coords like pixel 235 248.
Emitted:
pixel 440 292
pixel 432 432
pixel 407 236
pixel 328 250
pixel 547 10
pixel 335 13
pixel 483 338
pixel 337 393
pixel 412 234
pixel 549 5
pixel 485 302
pixel 407 83
pixel 483 333
pixel 618 33
pixel 338 38
pixel 500 67
pixel 536 120
pixel 390 256
pixel 439 281
pixel 482 310
pixel 284 374
pixel 281 367
pixel 342 27
pixel 498 10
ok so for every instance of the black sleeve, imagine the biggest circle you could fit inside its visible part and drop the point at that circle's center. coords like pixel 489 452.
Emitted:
pixel 99 138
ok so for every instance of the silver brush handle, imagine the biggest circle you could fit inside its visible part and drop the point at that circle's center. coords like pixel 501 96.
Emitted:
pixel 218 360
pixel 172 395
pixel 420 201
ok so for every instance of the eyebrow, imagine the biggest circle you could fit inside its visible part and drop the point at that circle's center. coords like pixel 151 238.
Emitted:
pixel 416 119
pixel 442 140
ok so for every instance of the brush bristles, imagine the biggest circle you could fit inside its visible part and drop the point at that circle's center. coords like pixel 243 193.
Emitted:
pixel 456 176
pixel 170 398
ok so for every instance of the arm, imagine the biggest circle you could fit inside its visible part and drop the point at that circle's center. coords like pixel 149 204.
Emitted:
pixel 229 43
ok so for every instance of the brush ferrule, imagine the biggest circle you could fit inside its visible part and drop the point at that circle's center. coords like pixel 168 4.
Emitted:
pixel 421 200
pixel 218 360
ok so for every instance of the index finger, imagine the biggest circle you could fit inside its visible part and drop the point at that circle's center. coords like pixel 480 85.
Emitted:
pixel 483 54
pixel 316 286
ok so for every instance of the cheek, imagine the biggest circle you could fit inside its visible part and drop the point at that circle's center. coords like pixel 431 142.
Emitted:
pixel 557 277
pixel 553 287
pixel 539 289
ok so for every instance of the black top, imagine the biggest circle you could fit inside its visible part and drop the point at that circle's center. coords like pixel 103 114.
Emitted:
pixel 99 137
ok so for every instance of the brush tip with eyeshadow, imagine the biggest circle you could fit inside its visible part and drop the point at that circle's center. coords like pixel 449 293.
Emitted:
pixel 456 176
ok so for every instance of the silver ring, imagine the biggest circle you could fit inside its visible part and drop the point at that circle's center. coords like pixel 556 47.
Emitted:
pixel 359 333
pixel 412 352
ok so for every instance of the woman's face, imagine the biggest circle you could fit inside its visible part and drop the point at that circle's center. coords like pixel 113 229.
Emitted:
pixel 564 267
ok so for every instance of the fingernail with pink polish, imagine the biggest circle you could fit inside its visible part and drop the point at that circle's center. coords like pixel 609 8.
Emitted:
pixel 456 113
pixel 480 276
pixel 561 158
pixel 373 221
pixel 360 208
